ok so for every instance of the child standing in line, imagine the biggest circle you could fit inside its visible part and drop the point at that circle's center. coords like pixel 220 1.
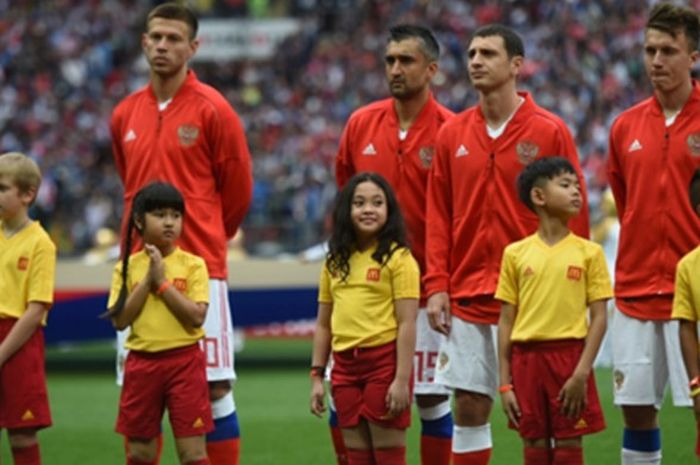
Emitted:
pixel 27 272
pixel 546 345
pixel 368 301
pixel 162 293
pixel 686 309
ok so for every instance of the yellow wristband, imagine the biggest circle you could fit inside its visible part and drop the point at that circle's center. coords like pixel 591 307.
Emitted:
pixel 695 392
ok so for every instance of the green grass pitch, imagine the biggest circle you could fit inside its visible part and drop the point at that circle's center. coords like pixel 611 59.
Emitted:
pixel 277 428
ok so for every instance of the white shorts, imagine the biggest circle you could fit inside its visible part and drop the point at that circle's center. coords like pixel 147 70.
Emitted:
pixel 468 359
pixel 646 356
pixel 427 347
pixel 218 340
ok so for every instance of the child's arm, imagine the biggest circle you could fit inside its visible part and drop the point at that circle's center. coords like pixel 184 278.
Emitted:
pixel 134 303
pixel 398 396
pixel 319 358
pixel 573 394
pixel 688 333
pixel 505 329
pixel 22 330
pixel 189 313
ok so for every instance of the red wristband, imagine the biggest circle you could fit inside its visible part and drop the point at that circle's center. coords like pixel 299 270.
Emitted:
pixel 318 372
pixel 694 383
pixel 505 388
pixel 163 287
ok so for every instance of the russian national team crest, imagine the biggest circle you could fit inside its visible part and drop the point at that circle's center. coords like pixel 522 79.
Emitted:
pixel 527 151
pixel 187 134
pixel 694 144
pixel 426 155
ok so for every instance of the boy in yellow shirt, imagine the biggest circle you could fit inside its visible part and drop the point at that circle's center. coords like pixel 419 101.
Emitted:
pixel 546 344
pixel 27 269
pixel 686 309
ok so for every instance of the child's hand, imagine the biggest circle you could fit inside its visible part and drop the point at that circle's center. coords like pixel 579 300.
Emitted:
pixel 156 268
pixel 398 398
pixel 511 407
pixel 573 396
pixel 318 394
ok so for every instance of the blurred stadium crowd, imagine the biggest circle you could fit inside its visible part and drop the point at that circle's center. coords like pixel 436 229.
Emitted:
pixel 64 64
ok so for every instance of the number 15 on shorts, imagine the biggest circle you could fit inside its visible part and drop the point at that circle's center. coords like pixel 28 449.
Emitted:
pixel 424 366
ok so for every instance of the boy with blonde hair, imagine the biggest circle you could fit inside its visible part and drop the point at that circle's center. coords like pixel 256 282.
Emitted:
pixel 27 268
pixel 546 344
pixel 686 309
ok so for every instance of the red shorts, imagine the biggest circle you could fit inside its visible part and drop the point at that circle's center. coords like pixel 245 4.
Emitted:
pixel 175 379
pixel 24 402
pixel 360 380
pixel 539 371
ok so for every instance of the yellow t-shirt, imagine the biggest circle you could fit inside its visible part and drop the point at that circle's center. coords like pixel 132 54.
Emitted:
pixel 551 286
pixel 27 270
pixel 156 328
pixel 363 305
pixel 686 299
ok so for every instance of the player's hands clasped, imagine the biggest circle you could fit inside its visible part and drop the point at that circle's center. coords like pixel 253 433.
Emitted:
pixel 439 314
pixel 573 396
pixel 156 268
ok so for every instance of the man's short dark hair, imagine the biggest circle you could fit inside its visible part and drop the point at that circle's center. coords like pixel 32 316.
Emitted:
pixel 537 173
pixel 429 45
pixel 672 19
pixel 694 189
pixel 511 40
pixel 176 11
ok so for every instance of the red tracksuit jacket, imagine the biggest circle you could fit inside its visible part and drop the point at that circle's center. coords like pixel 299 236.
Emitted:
pixel 473 209
pixel 198 145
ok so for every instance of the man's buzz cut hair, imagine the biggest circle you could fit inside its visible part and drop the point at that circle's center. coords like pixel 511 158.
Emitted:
pixel 511 40
pixel 172 10
pixel 22 170
pixel 428 44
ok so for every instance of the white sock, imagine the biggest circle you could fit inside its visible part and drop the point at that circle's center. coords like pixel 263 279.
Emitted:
pixel 221 408
pixel 635 457
pixel 471 438
pixel 435 412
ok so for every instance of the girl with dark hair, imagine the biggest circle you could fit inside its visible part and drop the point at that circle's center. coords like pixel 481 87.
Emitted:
pixel 368 300
pixel 161 293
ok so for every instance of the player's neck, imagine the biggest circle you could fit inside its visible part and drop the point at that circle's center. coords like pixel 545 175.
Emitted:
pixel 11 226
pixel 408 110
pixel 552 229
pixel 165 87
pixel 672 102
pixel 499 105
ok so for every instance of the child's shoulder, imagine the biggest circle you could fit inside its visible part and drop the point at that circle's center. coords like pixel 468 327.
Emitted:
pixel 691 259
pixel 187 257
pixel 590 247
pixel 525 243
pixel 401 252
pixel 42 235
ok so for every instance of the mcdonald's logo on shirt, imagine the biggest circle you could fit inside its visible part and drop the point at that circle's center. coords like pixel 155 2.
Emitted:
pixel 574 273
pixel 22 263
pixel 373 274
